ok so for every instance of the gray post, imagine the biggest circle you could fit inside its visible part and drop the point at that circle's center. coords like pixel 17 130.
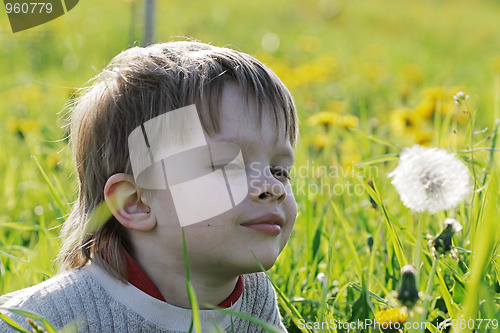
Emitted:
pixel 149 18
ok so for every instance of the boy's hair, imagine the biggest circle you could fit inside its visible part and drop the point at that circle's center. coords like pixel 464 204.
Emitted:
pixel 140 84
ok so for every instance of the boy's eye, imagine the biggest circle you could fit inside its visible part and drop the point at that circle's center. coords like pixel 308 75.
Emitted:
pixel 281 173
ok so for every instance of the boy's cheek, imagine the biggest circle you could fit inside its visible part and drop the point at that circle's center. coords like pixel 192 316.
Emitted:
pixel 292 202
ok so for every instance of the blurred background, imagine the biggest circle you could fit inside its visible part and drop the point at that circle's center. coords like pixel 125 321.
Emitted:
pixel 387 67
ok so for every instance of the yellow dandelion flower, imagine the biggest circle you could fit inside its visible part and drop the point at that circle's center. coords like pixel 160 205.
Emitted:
pixel 436 93
pixel 325 118
pixel 425 108
pixel 393 315
pixel 29 125
pixel 22 126
pixel 403 121
pixel 318 70
pixel 423 137
pixel 349 121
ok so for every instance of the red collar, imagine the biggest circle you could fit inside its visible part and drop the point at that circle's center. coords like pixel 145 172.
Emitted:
pixel 138 278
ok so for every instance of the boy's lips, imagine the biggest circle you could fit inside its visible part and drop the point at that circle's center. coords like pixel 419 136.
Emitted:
pixel 269 224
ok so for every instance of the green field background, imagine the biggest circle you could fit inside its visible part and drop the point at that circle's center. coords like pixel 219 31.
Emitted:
pixel 389 68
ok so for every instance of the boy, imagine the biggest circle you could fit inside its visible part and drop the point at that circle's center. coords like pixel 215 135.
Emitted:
pixel 174 138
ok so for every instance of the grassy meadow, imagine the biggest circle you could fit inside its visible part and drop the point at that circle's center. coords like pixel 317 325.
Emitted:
pixel 369 78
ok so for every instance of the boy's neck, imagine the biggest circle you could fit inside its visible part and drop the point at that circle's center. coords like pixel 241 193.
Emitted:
pixel 171 282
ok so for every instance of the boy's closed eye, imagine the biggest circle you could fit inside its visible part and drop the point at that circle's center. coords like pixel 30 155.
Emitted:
pixel 281 173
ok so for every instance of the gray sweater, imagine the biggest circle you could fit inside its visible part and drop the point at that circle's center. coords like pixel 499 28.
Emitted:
pixel 97 302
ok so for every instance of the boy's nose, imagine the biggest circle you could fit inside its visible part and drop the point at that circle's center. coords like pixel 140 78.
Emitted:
pixel 267 188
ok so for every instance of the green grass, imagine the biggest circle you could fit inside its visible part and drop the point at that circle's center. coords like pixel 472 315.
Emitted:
pixel 373 57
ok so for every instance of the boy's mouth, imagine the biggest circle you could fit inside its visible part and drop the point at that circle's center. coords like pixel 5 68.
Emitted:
pixel 269 224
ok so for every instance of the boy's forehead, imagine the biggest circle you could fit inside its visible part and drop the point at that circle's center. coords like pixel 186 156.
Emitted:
pixel 243 119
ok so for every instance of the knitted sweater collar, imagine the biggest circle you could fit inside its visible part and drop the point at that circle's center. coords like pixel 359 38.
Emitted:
pixel 162 314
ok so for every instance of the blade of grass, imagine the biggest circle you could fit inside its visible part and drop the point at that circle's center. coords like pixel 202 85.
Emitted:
pixel 348 239
pixel 377 139
pixel 482 252
pixel 12 323
pixel 378 200
pixel 396 241
pixel 13 257
pixel 492 151
pixel 379 159
pixel 45 323
pixel 371 294
pixel 52 189
pixel 190 290
pixel 217 329
pixel 19 226
pixel 446 295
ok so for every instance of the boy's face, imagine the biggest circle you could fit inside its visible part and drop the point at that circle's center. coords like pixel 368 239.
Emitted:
pixel 261 223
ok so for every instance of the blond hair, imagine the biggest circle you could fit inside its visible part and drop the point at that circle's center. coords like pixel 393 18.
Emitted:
pixel 140 84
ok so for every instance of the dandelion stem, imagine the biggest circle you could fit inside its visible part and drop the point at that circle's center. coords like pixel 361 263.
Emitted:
pixel 428 291
pixel 417 256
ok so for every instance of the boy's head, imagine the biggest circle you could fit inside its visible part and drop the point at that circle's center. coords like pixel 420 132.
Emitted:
pixel 238 100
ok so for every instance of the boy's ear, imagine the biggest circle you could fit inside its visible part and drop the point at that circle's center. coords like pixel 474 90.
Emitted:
pixel 127 205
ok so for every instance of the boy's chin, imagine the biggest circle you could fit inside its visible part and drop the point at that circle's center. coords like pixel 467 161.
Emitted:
pixel 266 260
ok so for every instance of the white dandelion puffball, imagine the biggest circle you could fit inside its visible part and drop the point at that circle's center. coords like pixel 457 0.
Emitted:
pixel 430 179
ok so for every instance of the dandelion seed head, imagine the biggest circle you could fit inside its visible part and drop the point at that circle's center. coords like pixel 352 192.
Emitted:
pixel 430 179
